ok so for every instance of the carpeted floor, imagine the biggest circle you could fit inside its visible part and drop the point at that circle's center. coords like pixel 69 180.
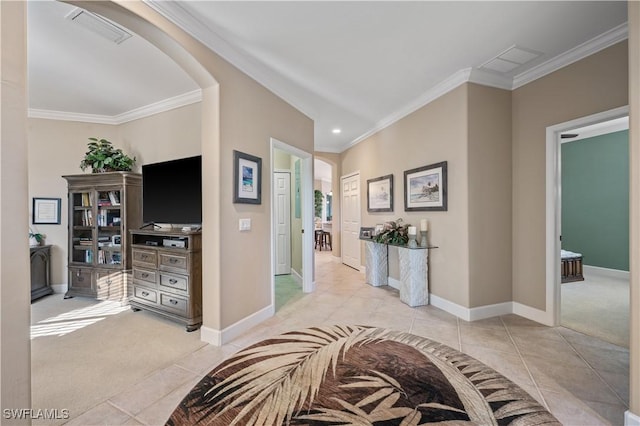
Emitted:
pixel 75 342
pixel 356 375
pixel 598 307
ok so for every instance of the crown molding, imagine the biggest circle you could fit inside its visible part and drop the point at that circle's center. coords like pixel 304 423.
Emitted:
pixel 135 114
pixel 429 96
pixel 596 44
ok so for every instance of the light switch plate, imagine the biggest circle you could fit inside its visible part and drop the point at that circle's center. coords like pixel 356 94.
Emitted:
pixel 245 224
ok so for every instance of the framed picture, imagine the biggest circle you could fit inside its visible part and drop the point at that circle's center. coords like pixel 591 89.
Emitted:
pixel 116 240
pixel 425 188
pixel 46 211
pixel 380 194
pixel 247 178
pixel 366 233
pixel 378 229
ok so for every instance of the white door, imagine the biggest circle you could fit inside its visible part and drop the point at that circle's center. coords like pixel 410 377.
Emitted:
pixel 282 201
pixel 351 220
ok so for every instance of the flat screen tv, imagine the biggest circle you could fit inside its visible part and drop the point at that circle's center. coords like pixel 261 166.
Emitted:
pixel 172 192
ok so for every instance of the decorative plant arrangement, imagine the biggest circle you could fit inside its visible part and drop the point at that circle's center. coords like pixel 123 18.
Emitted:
pixel 318 198
pixel 35 238
pixel 103 157
pixel 393 233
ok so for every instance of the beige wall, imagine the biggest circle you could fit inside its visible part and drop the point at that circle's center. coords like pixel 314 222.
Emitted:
pixel 434 133
pixel 56 148
pixel 594 84
pixel 489 152
pixel 15 349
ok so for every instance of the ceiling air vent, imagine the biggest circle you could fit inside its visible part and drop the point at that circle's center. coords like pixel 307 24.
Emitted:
pixel 510 59
pixel 98 25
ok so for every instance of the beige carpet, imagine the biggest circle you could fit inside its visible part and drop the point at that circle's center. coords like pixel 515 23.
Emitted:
pixel 598 307
pixel 84 351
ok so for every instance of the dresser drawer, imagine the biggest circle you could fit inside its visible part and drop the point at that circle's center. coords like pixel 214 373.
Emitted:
pixel 177 282
pixel 145 294
pixel 174 262
pixel 174 303
pixel 145 275
pixel 146 258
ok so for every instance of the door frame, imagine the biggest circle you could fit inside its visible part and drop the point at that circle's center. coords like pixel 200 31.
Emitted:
pixel 342 230
pixel 306 181
pixel 553 206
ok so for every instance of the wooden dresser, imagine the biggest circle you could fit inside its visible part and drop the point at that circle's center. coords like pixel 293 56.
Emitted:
pixel 167 274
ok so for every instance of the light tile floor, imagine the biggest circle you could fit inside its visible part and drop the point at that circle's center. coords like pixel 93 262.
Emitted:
pixel 582 380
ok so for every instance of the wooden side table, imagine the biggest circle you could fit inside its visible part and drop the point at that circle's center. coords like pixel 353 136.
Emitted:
pixel 40 271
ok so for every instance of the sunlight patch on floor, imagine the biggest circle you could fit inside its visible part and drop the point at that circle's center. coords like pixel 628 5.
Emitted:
pixel 71 321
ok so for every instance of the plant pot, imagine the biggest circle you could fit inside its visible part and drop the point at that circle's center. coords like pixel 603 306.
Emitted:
pixel 33 242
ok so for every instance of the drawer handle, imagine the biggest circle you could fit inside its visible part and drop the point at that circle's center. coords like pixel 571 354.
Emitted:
pixel 145 275
pixel 80 278
pixel 173 260
pixel 145 293
pixel 144 256
pixel 173 302
pixel 172 281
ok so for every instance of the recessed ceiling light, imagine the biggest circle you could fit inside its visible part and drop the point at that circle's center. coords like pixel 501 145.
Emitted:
pixel 336 131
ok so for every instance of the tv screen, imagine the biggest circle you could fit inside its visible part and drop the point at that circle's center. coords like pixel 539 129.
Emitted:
pixel 172 191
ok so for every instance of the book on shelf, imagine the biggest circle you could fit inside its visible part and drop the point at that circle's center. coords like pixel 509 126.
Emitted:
pixel 104 199
pixel 86 199
pixel 114 197
pixel 88 256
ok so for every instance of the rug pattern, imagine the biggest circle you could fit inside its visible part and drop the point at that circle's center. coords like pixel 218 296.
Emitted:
pixel 356 375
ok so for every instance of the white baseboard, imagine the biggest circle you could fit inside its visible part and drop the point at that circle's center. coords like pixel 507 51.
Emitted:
pixel 59 288
pixel 488 311
pixel 631 419
pixel 393 283
pixel 219 338
pixel 533 314
pixel 296 275
pixel 605 272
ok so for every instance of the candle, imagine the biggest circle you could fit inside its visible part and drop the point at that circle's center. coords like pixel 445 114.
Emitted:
pixel 412 230
pixel 423 225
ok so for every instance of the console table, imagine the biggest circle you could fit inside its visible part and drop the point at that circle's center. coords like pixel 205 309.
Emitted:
pixel 40 271
pixel 414 281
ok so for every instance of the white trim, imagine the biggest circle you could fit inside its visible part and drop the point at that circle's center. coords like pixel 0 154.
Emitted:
pixel 631 419
pixel 219 338
pixel 605 272
pixel 599 129
pixel 59 288
pixel 596 44
pixel 533 314
pixel 135 114
pixel 452 308
pixel 297 276
pixel 393 283
pixel 211 336
pixel 553 214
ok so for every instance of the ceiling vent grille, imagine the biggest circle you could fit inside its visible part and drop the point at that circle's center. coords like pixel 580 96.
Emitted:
pixel 98 25
pixel 510 59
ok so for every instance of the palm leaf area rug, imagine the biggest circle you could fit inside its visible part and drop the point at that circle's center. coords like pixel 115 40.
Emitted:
pixel 355 375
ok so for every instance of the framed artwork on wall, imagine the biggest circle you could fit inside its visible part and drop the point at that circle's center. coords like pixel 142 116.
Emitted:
pixel 247 178
pixel 425 188
pixel 380 194
pixel 46 211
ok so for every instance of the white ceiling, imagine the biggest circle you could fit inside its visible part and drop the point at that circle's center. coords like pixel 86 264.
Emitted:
pixel 357 66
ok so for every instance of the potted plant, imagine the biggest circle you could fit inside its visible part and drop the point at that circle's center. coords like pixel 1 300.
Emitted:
pixel 35 238
pixel 103 157
pixel 395 233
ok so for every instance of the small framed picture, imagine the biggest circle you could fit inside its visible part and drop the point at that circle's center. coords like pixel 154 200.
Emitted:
pixel 366 233
pixel 378 229
pixel 46 211
pixel 247 178
pixel 116 240
pixel 380 194
pixel 425 188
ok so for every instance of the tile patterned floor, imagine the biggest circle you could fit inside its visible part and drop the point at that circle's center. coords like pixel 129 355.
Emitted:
pixel 581 380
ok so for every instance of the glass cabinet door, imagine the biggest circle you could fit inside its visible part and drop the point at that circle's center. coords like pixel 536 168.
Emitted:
pixel 109 228
pixel 82 244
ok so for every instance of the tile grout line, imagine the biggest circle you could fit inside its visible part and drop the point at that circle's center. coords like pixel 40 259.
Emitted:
pixel 593 369
pixel 535 382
